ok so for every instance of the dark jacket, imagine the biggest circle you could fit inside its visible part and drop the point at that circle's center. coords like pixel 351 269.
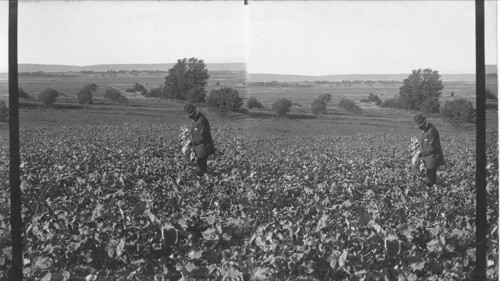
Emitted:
pixel 431 150
pixel 201 138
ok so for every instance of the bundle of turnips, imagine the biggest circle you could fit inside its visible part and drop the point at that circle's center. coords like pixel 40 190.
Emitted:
pixel 185 138
pixel 416 162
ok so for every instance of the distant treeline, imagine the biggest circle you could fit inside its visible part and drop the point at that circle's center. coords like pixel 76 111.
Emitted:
pixel 359 82
pixel 318 82
pixel 279 84
pixel 221 72
pixel 133 72
pixel 46 74
pixel 91 72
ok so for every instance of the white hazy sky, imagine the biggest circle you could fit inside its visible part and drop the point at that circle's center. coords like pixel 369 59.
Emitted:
pixel 285 37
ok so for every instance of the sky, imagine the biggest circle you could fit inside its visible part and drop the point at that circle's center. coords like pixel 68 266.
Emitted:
pixel 279 37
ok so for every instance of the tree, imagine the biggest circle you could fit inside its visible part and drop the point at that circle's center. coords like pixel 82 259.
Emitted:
pixel 225 98
pixel 84 96
pixel 48 97
pixel 419 86
pixel 282 106
pixel 186 76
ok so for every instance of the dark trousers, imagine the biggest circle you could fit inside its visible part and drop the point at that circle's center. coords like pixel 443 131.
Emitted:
pixel 201 166
pixel 431 177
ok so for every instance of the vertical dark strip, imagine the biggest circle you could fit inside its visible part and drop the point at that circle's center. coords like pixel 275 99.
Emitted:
pixel 481 205
pixel 245 2
pixel 15 190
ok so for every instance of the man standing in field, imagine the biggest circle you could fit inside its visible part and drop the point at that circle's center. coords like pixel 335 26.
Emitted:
pixel 201 138
pixel 430 148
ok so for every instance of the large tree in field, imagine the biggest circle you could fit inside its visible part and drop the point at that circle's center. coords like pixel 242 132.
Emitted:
pixel 186 80
pixel 420 86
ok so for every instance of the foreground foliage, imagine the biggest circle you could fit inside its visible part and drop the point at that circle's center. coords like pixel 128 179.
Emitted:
pixel 120 201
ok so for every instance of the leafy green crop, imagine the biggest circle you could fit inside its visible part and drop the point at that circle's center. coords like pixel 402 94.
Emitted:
pixel 120 202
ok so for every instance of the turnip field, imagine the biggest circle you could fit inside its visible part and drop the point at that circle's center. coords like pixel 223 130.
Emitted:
pixel 120 203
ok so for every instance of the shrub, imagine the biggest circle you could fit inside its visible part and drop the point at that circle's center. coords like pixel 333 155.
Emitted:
pixel 389 103
pixel 430 105
pixel 225 98
pixel 48 97
pixel 156 93
pixel 349 105
pixel 282 106
pixel 137 88
pixel 253 103
pixel 372 98
pixel 459 109
pixel 489 95
pixel 4 111
pixel 84 96
pixel 318 107
pixel 22 94
pixel 326 98
pixel 115 95
pixel 89 88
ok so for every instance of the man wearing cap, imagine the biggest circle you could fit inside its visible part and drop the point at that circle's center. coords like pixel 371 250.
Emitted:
pixel 430 148
pixel 201 138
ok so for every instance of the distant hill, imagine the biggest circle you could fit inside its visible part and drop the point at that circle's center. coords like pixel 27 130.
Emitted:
pixel 27 67
pixel 253 77
pixel 374 77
